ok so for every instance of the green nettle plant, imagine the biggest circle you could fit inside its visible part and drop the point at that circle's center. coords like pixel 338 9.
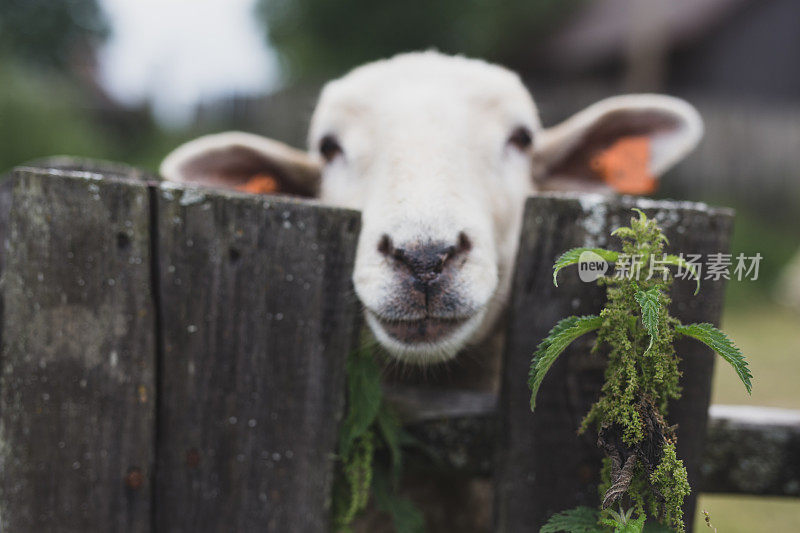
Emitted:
pixel 642 477
pixel 370 426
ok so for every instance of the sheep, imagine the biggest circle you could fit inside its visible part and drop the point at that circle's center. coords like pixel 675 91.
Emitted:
pixel 438 152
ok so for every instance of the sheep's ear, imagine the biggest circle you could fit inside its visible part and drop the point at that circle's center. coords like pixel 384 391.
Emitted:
pixel 243 161
pixel 624 143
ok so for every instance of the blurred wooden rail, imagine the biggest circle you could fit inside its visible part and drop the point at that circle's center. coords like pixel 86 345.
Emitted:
pixel 749 450
pixel 173 359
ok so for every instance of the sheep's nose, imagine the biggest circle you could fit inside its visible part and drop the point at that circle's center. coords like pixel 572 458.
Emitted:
pixel 425 261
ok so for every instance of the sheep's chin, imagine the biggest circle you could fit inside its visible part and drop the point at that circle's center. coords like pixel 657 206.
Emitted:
pixel 438 350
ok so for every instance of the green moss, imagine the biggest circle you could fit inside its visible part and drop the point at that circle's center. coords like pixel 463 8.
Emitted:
pixel 635 368
pixel 671 481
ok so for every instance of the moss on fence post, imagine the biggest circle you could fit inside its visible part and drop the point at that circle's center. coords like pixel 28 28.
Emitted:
pixel 642 473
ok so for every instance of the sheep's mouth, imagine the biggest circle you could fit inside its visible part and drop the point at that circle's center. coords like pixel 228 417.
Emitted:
pixel 425 330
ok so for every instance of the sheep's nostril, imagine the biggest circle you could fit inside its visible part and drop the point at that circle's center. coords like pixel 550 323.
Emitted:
pixel 400 255
pixel 385 245
pixel 444 256
pixel 464 244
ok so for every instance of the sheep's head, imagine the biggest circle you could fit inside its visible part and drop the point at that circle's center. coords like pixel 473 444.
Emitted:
pixel 439 154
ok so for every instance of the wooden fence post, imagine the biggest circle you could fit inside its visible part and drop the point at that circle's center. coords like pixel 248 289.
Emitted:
pixel 78 351
pixel 543 466
pixel 257 317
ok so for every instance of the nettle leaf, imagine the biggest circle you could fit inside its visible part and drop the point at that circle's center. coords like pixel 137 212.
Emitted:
pixel 720 343
pixel 578 520
pixel 624 232
pixel 633 526
pixel 392 432
pixel 681 262
pixel 406 516
pixel 572 257
pixel 363 397
pixel 561 336
pixel 650 304
pixel 622 521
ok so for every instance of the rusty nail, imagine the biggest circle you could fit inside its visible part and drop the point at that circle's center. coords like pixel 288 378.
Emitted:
pixel 134 479
pixel 192 458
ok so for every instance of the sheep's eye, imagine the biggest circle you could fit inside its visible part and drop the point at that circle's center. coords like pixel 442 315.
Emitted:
pixel 521 138
pixel 329 147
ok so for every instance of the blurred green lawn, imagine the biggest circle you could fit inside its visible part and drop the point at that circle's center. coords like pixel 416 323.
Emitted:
pixel 770 337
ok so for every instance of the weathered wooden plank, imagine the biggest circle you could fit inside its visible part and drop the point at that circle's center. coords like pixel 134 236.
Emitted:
pixel 543 466
pixel 77 391
pixel 257 319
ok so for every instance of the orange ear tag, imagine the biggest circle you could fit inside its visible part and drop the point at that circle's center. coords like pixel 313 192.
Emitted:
pixel 260 184
pixel 625 166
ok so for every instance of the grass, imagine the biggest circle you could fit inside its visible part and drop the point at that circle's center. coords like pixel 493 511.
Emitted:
pixel 747 514
pixel 770 337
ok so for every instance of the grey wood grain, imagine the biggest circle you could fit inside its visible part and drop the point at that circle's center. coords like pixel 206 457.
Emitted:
pixel 543 466
pixel 257 316
pixel 77 389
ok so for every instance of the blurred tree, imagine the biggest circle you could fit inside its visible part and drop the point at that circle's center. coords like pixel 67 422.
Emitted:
pixel 50 102
pixel 46 113
pixel 49 33
pixel 320 38
pixel 42 115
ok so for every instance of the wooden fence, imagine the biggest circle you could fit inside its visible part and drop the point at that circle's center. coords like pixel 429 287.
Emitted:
pixel 173 359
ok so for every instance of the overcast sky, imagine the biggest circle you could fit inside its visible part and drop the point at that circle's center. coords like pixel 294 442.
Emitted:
pixel 177 53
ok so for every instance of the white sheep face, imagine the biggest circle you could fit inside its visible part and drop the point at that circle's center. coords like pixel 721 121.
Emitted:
pixel 441 193
pixel 439 154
